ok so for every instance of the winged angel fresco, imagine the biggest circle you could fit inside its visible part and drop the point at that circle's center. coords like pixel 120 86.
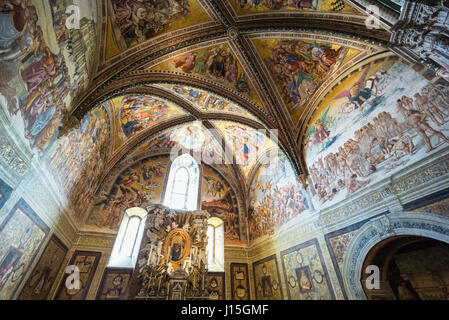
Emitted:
pixel 358 97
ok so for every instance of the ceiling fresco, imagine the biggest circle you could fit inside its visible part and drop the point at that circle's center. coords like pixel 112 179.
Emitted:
pixel 141 72
pixel 299 67
pixel 247 143
pixel 136 113
pixel 132 22
pixel 190 136
pixel 218 63
pixel 44 66
pixel 255 6
pixel 206 101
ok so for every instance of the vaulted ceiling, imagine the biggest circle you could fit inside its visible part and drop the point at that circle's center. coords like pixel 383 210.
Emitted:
pixel 234 66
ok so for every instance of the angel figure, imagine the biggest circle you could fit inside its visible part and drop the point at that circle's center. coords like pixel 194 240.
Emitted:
pixel 359 93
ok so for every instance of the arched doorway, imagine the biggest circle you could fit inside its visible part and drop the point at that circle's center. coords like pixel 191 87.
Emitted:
pixel 410 268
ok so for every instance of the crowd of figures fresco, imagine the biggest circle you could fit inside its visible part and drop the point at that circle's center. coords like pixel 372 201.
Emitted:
pixel 86 160
pixel 140 112
pixel 220 201
pixel 276 197
pixel 299 67
pixel 206 101
pixel 217 62
pixel 40 74
pixel 140 20
pixel 243 6
pixel 136 186
pixel 377 121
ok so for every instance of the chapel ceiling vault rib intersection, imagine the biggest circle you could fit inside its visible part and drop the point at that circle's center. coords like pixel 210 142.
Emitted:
pixel 223 25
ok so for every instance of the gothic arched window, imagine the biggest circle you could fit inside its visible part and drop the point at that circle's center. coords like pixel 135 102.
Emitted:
pixel 182 184
pixel 127 244
pixel 215 244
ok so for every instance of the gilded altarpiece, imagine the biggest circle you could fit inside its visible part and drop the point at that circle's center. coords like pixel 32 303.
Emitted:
pixel 172 262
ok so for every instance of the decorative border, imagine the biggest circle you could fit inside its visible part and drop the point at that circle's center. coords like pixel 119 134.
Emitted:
pixel 62 246
pixel 103 280
pixel 5 192
pixel 272 257
pixel 323 264
pixel 339 232
pixel 27 210
pixel 427 200
pixel 89 280
pixel 386 226
pixel 248 290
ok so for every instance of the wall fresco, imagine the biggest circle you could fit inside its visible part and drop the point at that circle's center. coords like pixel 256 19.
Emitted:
pixel 377 121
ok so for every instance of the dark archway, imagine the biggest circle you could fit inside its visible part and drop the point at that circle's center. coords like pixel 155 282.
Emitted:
pixel 411 268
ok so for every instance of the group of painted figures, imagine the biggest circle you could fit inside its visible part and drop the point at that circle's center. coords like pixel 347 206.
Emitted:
pixel 279 205
pixel 378 141
pixel 218 63
pixel 26 58
pixel 299 67
pixel 139 20
pixel 276 4
pixel 135 187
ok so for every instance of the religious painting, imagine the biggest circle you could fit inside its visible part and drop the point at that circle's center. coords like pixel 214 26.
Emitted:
pixel 81 156
pixel 267 288
pixel 22 234
pixel 276 197
pixel 247 143
pixel 87 263
pixel 250 6
pixel 206 101
pixel 42 278
pixel 137 113
pixel 240 281
pixel 305 273
pixel 5 192
pixel 215 285
pixel 267 280
pixel 304 280
pixel 380 119
pixel 299 67
pixel 218 63
pixel 163 140
pixel 219 200
pixel 136 185
pixel 44 65
pixel 114 284
pixel 135 21
pixel 189 136
pixel 177 247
